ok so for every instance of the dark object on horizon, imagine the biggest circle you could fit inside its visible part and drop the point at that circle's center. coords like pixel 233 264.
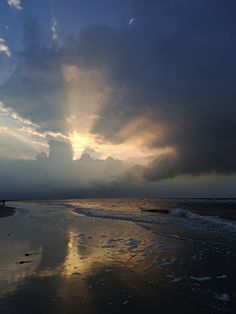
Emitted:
pixel 154 210
pixel 3 202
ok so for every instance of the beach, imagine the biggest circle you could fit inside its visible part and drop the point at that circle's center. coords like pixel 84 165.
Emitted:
pixel 57 257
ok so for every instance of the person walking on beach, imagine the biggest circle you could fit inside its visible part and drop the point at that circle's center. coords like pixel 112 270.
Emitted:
pixel 3 203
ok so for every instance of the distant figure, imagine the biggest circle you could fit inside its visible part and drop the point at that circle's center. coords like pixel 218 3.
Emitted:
pixel 3 203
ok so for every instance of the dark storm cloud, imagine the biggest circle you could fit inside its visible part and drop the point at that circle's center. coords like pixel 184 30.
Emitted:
pixel 175 65
pixel 178 66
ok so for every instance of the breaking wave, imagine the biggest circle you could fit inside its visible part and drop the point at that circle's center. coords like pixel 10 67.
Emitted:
pixel 179 212
pixel 176 217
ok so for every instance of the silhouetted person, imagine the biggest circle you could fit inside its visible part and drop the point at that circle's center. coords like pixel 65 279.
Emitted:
pixel 3 203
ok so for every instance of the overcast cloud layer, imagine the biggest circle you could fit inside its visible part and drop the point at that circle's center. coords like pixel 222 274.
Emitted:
pixel 165 76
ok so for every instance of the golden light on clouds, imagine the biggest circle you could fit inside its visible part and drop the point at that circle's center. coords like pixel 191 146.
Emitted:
pixel 140 129
pixel 88 94
pixel 131 151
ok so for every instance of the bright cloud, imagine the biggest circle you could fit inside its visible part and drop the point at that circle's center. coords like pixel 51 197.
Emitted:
pixel 54 30
pixel 15 4
pixel 4 48
pixel 22 138
pixel 132 21
pixel 54 27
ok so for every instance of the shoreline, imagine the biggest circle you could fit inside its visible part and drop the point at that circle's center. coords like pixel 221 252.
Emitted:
pixel 55 261
pixel 6 211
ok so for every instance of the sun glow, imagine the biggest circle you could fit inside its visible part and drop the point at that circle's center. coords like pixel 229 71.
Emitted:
pixel 101 148
pixel 131 151
pixel 88 94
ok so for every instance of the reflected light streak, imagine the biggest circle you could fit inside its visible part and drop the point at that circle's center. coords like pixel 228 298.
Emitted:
pixel 73 258
pixel 75 261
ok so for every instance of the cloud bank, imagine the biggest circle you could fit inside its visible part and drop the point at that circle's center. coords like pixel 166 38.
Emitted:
pixel 56 174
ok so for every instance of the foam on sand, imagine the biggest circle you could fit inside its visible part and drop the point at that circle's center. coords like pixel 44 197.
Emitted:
pixel 177 217
pixel 225 297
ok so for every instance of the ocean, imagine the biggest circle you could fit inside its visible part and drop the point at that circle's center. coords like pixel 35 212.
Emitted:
pixel 198 214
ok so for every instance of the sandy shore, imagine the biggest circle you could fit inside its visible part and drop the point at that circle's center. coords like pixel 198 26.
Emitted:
pixel 6 211
pixel 56 261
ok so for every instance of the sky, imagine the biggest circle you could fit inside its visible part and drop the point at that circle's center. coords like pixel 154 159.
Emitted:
pixel 108 98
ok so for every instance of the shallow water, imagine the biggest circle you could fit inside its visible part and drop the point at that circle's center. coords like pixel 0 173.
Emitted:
pixel 57 260
pixel 211 215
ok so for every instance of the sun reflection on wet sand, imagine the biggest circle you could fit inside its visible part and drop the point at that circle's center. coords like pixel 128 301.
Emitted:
pixel 82 255
pixel 78 263
pixel 73 259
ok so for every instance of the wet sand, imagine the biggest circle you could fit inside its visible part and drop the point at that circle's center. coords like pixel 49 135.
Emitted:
pixel 56 261
pixel 6 211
